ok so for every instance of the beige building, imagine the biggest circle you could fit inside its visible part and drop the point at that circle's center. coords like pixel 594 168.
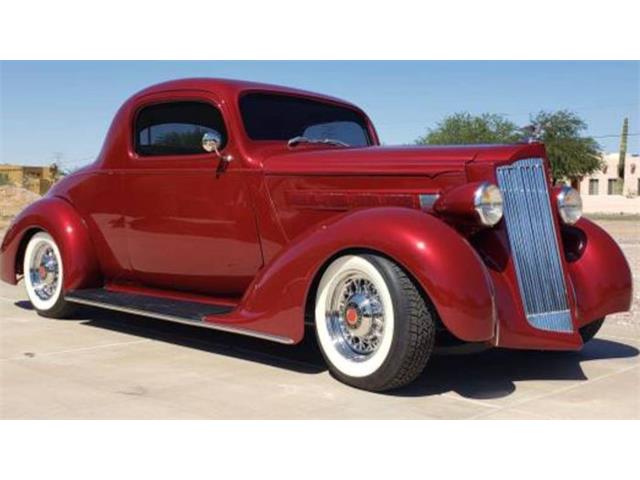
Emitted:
pixel 36 179
pixel 604 192
pixel 607 180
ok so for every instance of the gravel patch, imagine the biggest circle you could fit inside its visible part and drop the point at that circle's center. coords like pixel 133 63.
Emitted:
pixel 12 201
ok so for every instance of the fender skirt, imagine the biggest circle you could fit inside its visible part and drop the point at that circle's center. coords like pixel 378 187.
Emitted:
pixel 58 218
pixel 438 257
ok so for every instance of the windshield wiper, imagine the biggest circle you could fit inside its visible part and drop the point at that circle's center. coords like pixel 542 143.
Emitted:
pixel 326 141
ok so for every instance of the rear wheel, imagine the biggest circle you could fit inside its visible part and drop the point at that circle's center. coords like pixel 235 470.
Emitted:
pixel 589 331
pixel 374 328
pixel 44 275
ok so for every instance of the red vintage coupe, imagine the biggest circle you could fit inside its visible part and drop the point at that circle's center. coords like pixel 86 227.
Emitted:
pixel 255 209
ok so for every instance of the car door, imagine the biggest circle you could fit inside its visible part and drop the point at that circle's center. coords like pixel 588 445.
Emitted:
pixel 190 225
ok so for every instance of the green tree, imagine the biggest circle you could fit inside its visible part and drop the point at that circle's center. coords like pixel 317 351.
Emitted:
pixel 188 141
pixel 572 156
pixel 463 128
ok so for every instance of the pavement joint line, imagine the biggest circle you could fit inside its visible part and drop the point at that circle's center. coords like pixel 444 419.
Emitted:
pixel 537 415
pixel 469 400
pixel 80 349
pixel 555 392
pixel 521 414
pixel 7 299
pixel 618 337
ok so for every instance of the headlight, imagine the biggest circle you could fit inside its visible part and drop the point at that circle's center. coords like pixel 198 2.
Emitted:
pixel 569 205
pixel 487 202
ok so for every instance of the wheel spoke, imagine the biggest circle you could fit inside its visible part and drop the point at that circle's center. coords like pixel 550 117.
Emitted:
pixel 359 336
pixel 44 271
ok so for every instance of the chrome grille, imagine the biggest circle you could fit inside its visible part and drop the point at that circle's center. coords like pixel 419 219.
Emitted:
pixel 534 245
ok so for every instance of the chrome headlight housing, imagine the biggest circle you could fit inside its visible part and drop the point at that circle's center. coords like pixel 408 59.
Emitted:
pixel 487 202
pixel 569 205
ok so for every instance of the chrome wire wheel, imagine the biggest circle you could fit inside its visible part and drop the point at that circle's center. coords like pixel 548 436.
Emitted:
pixel 43 272
pixel 374 326
pixel 355 316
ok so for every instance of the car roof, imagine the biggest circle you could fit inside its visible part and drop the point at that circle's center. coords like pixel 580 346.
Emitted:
pixel 234 88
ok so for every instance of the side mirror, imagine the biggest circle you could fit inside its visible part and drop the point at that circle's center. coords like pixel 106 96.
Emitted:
pixel 211 142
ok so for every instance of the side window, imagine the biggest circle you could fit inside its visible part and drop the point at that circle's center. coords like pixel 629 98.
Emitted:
pixel 176 128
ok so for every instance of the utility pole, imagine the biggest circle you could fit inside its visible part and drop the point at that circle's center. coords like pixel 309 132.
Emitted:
pixel 57 158
pixel 623 148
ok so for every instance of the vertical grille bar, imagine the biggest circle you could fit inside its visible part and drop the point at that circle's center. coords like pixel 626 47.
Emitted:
pixel 534 245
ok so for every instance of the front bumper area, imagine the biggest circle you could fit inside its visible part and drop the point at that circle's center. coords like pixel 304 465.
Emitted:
pixel 597 275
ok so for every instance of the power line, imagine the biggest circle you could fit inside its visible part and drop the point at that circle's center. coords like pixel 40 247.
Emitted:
pixel 576 109
pixel 615 135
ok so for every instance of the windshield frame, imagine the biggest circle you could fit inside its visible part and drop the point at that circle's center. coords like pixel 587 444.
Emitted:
pixel 369 130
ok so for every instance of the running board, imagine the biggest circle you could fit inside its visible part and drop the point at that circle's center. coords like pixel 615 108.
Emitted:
pixel 180 311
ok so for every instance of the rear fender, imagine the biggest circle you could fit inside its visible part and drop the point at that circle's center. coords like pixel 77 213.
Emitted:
pixel 58 218
pixel 439 258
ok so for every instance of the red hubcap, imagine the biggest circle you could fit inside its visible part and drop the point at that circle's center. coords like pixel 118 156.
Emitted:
pixel 351 316
pixel 42 272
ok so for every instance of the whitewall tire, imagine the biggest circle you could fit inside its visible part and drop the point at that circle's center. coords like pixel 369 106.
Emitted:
pixel 44 276
pixel 374 327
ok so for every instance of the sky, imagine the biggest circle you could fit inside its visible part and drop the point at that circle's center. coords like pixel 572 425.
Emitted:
pixel 62 110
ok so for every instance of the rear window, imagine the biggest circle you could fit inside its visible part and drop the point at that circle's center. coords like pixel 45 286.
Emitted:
pixel 176 128
pixel 269 116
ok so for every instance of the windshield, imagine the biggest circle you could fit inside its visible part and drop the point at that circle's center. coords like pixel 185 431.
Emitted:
pixel 268 116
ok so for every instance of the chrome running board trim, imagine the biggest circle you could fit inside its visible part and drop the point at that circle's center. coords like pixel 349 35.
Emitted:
pixel 186 321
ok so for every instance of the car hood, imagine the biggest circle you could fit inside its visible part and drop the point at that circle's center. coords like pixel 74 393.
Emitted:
pixel 377 160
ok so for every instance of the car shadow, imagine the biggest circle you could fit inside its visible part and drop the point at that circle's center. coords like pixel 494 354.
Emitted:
pixel 304 357
pixel 493 373
pixel 24 304
pixel 486 375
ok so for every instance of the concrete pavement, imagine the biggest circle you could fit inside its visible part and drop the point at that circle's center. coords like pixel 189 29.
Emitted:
pixel 111 365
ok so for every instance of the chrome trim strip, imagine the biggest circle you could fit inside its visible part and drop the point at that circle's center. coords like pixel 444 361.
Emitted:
pixel 428 199
pixel 554 321
pixel 534 244
pixel 171 318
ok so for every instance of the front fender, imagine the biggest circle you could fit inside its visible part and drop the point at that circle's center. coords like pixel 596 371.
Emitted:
pixel 438 257
pixel 58 218
pixel 600 274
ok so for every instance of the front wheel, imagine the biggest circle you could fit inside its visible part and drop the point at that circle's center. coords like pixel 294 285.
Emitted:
pixel 374 328
pixel 44 275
